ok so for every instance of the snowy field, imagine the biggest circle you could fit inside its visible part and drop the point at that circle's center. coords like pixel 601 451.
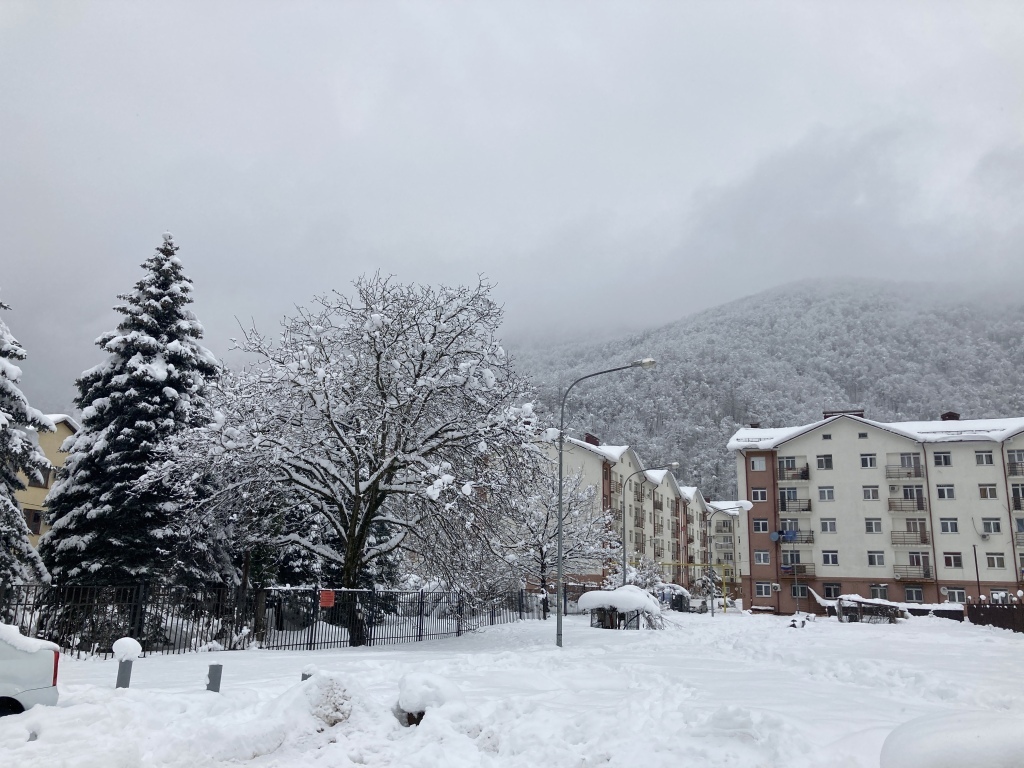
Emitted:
pixel 733 690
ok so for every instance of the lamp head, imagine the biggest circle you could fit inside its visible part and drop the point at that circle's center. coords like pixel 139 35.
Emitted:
pixel 672 465
pixel 645 362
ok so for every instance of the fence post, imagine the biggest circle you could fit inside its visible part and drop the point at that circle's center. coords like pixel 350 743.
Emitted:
pixel 259 619
pixel 520 604
pixel 138 627
pixel 419 632
pixel 314 606
pixel 458 615
pixel 370 614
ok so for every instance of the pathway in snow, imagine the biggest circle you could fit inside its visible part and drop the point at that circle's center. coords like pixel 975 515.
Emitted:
pixel 733 690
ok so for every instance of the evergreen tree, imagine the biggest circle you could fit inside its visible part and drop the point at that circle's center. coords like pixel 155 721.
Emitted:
pixel 19 452
pixel 108 527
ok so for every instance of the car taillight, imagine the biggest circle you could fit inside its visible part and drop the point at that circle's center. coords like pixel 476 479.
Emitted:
pixel 56 661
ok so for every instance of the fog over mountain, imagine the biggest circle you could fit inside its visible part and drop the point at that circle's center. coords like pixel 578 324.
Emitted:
pixel 901 351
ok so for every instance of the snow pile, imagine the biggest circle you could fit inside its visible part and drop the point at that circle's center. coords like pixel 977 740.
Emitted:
pixel 126 649
pixel 989 739
pixel 624 599
pixel 419 691
pixel 12 636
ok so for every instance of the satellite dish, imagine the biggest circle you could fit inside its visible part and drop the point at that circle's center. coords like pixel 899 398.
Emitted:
pixel 943 590
pixel 774 535
pixel 1020 593
pixel 897 577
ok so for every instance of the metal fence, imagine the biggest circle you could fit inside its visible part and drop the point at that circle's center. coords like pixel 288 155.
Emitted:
pixel 87 620
pixel 1004 616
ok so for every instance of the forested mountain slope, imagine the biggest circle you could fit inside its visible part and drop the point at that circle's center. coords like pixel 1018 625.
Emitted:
pixel 901 351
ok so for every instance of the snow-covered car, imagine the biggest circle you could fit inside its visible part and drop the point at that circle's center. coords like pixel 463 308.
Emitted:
pixel 28 671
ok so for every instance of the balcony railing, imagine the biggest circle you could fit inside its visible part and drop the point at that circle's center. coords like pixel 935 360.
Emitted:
pixel 911 537
pixel 797 537
pixel 912 571
pixel 723 545
pixel 898 471
pixel 1015 468
pixel 1020 538
pixel 659 505
pixel 1018 503
pixel 793 505
pixel 689 538
pixel 659 529
pixel 908 505
pixel 798 571
pixel 675 532
pixel 797 473
pixel 689 519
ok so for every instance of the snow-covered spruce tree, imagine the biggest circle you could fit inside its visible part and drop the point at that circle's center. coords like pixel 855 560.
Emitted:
pixel 378 411
pixel 107 528
pixel 19 453
pixel 644 573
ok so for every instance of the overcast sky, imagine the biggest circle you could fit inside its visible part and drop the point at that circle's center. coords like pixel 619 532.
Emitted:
pixel 610 166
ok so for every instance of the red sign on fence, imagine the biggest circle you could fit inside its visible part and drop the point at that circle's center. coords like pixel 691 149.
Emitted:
pixel 326 598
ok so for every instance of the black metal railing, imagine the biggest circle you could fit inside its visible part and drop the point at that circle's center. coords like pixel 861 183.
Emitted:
pixel 908 505
pixel 797 473
pixel 898 471
pixel 910 537
pixel 796 537
pixel 798 571
pixel 1015 468
pixel 912 571
pixel 1020 538
pixel 1018 503
pixel 166 619
pixel 793 505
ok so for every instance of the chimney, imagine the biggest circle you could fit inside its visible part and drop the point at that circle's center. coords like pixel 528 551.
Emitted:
pixel 592 439
pixel 755 425
pixel 859 412
pixel 950 416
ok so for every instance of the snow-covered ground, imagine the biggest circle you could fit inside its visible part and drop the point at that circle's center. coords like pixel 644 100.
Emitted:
pixel 732 690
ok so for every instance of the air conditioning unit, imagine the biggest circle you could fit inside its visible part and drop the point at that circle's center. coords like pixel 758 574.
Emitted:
pixel 776 587
pixel 893 488
pixel 984 537
pixel 897 577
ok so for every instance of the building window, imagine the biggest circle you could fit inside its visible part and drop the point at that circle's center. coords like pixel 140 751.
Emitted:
pixel 763 589
pixel 830 557
pixel 956 595
pixel 791 557
pixel 828 525
pixel 995 559
pixel 825 462
pixel 879 592
pixel 727 557
pixel 1000 596
pixel 953 559
pixel 789 524
pixel 34 520
pixel 870 493
pixel 862 435
pixel 983 458
pixel 987 491
pixel 949 525
pixel 762 557
pixel 876 558
pixel 945 492
pixel 991 525
pixel 826 493
pixel 757 464
pixel 759 494
pixel 832 590
pixel 761 525
pixel 914 594
pixel 798 590
pixel 787 463
pixel 872 525
pixel 943 459
pixel 868 461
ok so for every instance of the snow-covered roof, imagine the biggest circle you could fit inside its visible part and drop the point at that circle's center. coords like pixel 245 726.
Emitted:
pixel 655 476
pixel 731 507
pixel 988 430
pixel 623 599
pixel 57 418
pixel 610 453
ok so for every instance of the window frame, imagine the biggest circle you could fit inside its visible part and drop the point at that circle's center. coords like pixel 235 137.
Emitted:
pixel 828 525
pixel 942 459
pixel 878 555
pixel 949 525
pixel 984 458
pixel 871 527
pixel 762 557
pixel 945 492
pixel 762 589
pixel 755 461
pixel 758 522
pixel 825 462
pixel 830 557
pixel 759 492
pixel 995 560
pixel 987 491
pixel 870 493
pixel 953 559
pixel 869 461
pixel 826 493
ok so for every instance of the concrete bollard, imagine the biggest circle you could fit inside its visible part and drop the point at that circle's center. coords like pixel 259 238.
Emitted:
pixel 213 677
pixel 124 673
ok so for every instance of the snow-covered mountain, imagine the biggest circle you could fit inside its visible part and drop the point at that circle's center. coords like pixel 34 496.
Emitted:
pixel 900 350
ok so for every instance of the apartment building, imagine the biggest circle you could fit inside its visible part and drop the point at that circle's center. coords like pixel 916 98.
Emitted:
pixel 32 497
pixel 905 511
pixel 656 507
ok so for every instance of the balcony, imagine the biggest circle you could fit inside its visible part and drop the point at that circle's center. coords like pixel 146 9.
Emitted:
pixel 689 518
pixel 899 472
pixel 1020 538
pixel 675 532
pixel 793 505
pixel 912 571
pixel 689 538
pixel 659 529
pixel 659 504
pixel 796 537
pixel 797 473
pixel 1015 468
pixel 910 537
pixel 1018 503
pixel 723 545
pixel 798 571
pixel 908 505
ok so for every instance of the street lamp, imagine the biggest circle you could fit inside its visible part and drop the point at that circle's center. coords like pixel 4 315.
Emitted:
pixel 733 511
pixel 646 362
pixel 622 507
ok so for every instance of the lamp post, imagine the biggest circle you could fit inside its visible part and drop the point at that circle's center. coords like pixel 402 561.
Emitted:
pixel 622 507
pixel 647 362
pixel 732 512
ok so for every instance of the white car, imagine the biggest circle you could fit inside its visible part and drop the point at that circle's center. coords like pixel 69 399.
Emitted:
pixel 28 671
